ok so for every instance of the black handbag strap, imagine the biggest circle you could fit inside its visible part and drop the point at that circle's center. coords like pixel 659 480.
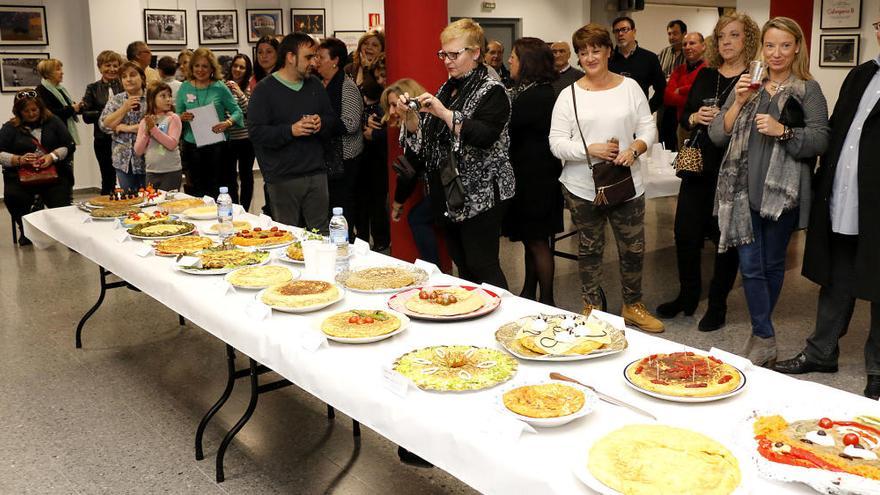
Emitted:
pixel 577 122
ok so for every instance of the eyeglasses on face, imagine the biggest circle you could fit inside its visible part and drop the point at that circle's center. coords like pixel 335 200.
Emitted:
pixel 622 30
pixel 26 94
pixel 876 26
pixel 451 55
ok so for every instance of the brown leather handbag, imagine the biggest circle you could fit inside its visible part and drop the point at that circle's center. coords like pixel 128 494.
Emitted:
pixel 31 176
pixel 614 183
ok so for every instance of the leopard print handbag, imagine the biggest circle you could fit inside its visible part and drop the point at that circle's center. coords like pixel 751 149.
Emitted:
pixel 689 158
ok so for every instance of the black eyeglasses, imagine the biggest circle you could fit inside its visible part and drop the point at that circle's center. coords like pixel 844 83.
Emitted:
pixel 26 94
pixel 621 30
pixel 876 26
pixel 451 55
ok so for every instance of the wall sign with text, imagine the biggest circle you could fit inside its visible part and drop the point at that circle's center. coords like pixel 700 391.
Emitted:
pixel 841 14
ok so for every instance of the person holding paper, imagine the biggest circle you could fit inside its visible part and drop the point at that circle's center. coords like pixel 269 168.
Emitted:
pixel 286 117
pixel 204 158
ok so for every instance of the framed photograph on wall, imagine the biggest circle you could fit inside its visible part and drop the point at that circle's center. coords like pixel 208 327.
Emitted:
pixel 165 27
pixel 841 14
pixel 159 54
pixel 264 22
pixel 23 25
pixel 218 27
pixel 18 71
pixel 309 21
pixel 839 50
pixel 350 38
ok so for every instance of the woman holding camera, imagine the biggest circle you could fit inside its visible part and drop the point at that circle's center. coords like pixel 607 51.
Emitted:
pixel 464 127
pixel 602 119
pixel 728 52
pixel 774 127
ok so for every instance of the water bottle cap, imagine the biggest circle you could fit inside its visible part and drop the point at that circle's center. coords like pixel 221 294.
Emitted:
pixel 224 190
pixel 337 210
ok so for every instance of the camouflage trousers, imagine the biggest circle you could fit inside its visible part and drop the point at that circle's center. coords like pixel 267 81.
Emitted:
pixel 628 225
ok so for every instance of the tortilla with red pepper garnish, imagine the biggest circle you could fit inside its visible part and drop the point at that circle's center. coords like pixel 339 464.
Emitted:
pixel 684 374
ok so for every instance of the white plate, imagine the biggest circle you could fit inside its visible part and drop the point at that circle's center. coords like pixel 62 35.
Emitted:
pixel 265 247
pixel 89 205
pixel 130 225
pixel 215 271
pixel 288 259
pixel 404 323
pixel 590 401
pixel 293 271
pixel 674 398
pixel 162 238
pixel 422 278
pixel 304 309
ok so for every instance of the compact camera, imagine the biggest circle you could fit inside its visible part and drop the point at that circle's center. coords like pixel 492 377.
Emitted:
pixel 413 104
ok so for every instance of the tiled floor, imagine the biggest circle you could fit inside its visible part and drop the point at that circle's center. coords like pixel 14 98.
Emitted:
pixel 119 415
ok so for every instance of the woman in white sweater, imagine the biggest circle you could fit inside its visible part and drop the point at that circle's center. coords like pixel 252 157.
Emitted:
pixel 613 124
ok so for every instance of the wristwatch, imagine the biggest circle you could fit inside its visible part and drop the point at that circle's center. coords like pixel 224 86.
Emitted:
pixel 635 153
pixel 54 157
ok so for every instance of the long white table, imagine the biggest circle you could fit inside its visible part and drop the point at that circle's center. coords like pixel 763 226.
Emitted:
pixel 462 433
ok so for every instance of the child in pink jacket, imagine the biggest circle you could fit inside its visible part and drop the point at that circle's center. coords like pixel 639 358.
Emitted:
pixel 157 138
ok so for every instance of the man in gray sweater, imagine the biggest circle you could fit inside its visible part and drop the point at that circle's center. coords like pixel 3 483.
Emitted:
pixel 285 117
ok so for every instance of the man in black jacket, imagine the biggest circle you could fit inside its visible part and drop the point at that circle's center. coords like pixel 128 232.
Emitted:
pixel 285 117
pixel 633 61
pixel 842 252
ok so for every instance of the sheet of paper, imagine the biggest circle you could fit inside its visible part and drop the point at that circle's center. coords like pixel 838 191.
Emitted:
pixel 204 118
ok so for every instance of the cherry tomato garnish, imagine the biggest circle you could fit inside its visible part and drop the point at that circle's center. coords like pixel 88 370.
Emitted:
pixel 850 439
pixel 353 319
pixel 423 294
pixel 368 319
pixel 257 229
pixel 452 299
pixel 826 423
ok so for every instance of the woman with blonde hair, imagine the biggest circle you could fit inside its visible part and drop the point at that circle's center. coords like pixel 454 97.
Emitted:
pixel 773 135
pixel 465 123
pixel 95 98
pixel 55 96
pixel 369 47
pixel 733 44
pixel 207 168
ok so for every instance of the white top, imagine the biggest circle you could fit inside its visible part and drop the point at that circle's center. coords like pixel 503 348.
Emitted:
pixel 620 112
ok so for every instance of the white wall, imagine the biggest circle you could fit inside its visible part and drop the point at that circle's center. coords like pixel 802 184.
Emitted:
pixel 651 23
pixel 759 10
pixel 68 29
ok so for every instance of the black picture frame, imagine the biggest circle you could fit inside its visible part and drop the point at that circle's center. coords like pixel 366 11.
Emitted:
pixel 218 34
pixel 832 14
pixel 349 37
pixel 839 50
pixel 16 25
pixel 29 80
pixel 257 28
pixel 310 21
pixel 164 32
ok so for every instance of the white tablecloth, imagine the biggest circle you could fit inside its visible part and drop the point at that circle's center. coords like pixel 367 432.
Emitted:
pixel 462 433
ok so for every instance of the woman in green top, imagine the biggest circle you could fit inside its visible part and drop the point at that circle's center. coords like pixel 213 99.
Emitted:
pixel 206 166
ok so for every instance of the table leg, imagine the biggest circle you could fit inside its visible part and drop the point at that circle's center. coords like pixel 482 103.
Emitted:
pixel 331 413
pixel 230 383
pixel 355 428
pixel 181 320
pixel 104 287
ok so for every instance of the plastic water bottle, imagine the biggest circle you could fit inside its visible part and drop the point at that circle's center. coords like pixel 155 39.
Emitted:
pixel 225 228
pixel 339 237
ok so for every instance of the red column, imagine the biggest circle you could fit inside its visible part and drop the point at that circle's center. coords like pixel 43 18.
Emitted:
pixel 799 10
pixel 412 38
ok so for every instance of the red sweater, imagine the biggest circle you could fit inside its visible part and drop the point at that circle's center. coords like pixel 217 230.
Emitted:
pixel 679 86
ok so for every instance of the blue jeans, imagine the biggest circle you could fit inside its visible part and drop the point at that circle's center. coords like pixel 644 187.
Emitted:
pixel 130 182
pixel 762 265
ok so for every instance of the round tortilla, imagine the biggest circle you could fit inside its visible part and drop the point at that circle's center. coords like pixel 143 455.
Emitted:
pixel 260 276
pixel 300 294
pixel 468 302
pixel 678 388
pixel 338 325
pixel 660 460
pixel 547 400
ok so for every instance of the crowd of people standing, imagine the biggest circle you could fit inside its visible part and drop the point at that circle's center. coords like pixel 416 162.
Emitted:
pixel 503 149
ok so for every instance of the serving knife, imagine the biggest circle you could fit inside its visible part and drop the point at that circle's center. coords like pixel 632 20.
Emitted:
pixel 607 398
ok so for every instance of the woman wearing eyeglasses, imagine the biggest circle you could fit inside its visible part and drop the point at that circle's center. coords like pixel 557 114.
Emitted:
pixel 466 121
pixel 32 143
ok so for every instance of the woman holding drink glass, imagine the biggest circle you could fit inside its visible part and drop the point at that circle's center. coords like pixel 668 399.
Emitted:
pixel 774 134
pixel 733 44
pixel 121 118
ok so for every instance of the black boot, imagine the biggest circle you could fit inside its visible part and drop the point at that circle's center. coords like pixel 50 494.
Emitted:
pixel 714 319
pixel 872 389
pixel 800 364
pixel 408 457
pixel 22 240
pixel 672 308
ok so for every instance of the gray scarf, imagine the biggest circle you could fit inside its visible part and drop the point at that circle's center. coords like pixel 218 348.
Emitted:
pixel 781 186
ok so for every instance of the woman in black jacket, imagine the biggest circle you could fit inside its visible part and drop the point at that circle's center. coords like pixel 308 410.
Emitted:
pixel 536 210
pixel 34 139
pixel 93 102
pixel 55 96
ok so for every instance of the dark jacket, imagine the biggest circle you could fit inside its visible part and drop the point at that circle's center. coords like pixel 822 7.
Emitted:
pixel 63 109
pixel 93 103
pixel 54 135
pixel 644 67
pixel 817 262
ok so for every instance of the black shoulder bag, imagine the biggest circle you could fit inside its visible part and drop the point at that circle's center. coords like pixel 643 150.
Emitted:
pixel 450 179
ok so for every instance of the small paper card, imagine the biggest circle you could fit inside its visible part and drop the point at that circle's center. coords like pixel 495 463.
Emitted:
pixel 312 341
pixel 395 382
pixel 189 261
pixel 503 427
pixel 122 237
pixel 497 290
pixel 87 219
pixel 361 247
pixel 429 267
pixel 740 362
pixel 221 287
pixel 208 200
pixel 258 311
pixel 144 250
pixel 117 224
